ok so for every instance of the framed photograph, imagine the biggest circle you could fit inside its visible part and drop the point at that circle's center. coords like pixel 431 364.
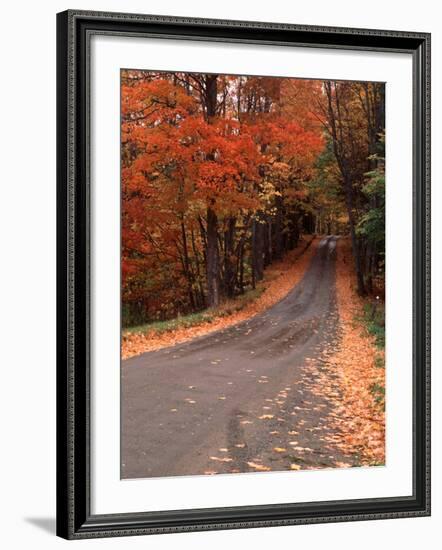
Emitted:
pixel 243 274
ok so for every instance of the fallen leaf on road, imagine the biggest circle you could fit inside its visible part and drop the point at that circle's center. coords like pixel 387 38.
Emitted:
pixel 218 459
pixel 258 467
pixel 358 418
pixel 279 449
pixel 265 416
pixel 295 467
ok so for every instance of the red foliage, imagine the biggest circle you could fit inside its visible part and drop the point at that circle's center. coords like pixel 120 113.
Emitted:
pixel 176 164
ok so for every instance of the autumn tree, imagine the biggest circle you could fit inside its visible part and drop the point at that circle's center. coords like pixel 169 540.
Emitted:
pixel 222 174
pixel 354 119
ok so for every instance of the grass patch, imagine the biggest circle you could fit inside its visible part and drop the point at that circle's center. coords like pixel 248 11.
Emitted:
pixel 378 393
pixel 379 362
pixel 193 319
pixel 173 324
pixel 373 319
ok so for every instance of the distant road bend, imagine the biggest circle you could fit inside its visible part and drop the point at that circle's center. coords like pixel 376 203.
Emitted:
pixel 223 401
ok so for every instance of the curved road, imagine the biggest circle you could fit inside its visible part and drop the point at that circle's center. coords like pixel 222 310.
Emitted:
pixel 224 402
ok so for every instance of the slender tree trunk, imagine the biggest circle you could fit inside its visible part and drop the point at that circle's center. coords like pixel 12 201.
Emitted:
pixel 241 269
pixel 202 298
pixel 270 243
pixel 336 126
pixel 258 249
pixel 212 259
pixel 368 268
pixel 203 236
pixel 187 270
pixel 229 263
pixel 294 231
pixel 278 228
pixel 212 251
pixel 354 241
pixel 266 243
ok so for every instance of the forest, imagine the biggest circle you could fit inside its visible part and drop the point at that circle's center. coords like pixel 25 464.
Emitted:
pixel 222 176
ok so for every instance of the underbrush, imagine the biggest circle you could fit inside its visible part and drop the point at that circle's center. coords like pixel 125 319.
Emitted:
pixel 206 316
pixel 378 393
pixel 374 321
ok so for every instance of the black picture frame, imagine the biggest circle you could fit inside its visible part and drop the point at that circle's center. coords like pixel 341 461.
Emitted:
pixel 74 518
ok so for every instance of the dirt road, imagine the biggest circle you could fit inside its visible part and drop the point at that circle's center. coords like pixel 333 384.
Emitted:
pixel 239 399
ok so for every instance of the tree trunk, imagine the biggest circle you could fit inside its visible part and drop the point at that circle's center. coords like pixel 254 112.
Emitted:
pixel 354 240
pixel 269 248
pixel 335 120
pixel 241 268
pixel 212 251
pixel 212 259
pixel 258 249
pixel 295 231
pixel 368 268
pixel 201 297
pixel 229 263
pixel 278 228
pixel 187 270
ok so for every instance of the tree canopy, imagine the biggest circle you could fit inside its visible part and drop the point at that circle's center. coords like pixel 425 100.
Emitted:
pixel 222 174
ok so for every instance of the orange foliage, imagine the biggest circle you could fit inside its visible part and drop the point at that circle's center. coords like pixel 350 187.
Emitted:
pixel 176 164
